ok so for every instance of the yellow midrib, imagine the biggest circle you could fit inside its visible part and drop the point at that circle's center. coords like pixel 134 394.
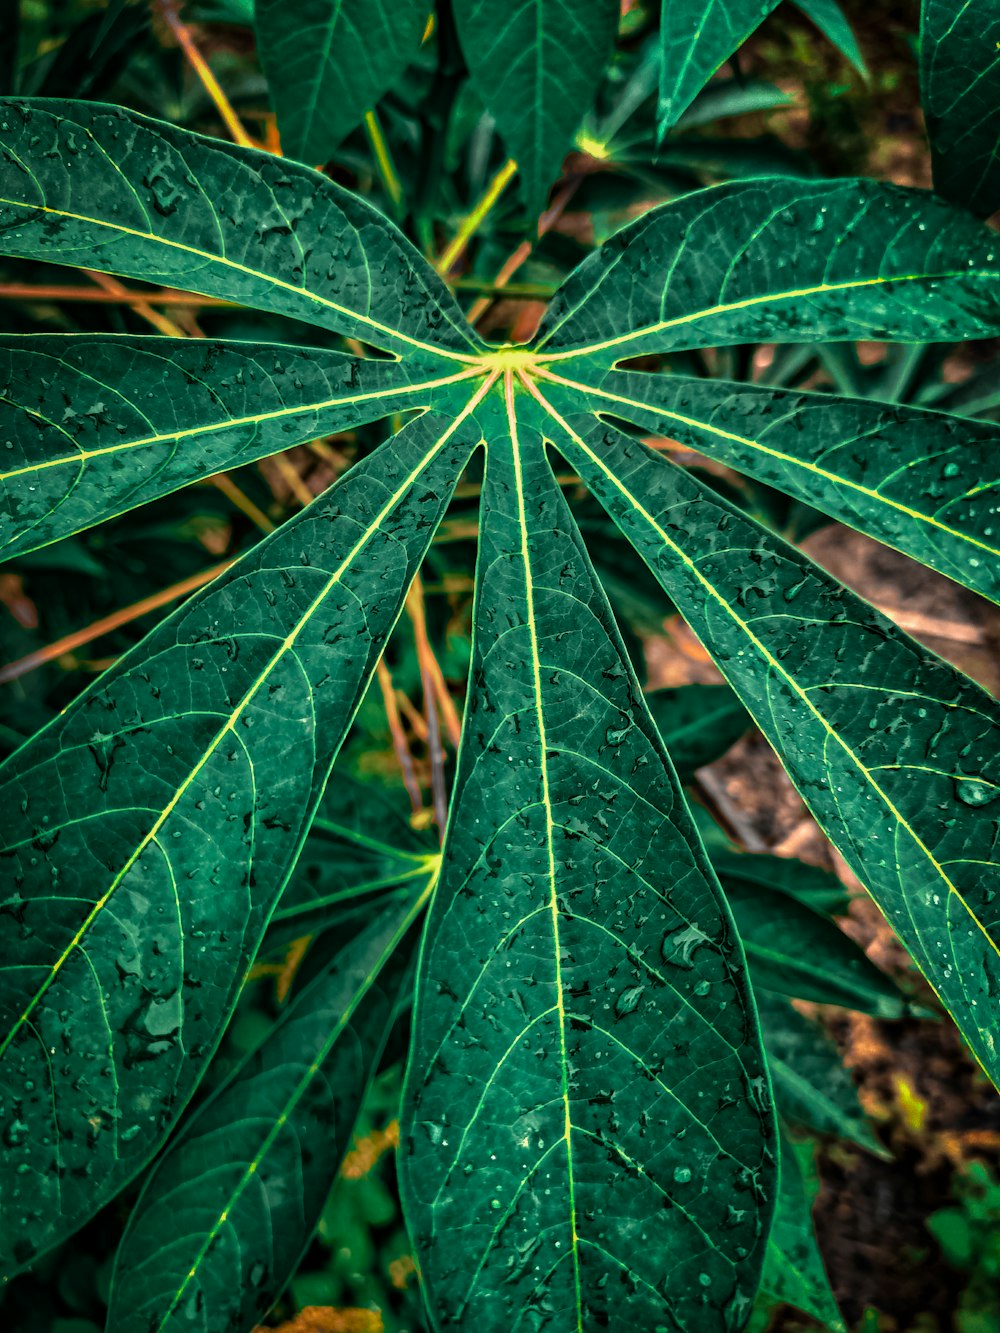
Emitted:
pixel 536 669
pixel 243 703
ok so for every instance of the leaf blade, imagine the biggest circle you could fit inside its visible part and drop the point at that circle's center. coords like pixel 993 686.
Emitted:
pixel 960 90
pixel 569 849
pixel 321 88
pixel 899 264
pixel 95 426
pixel 98 186
pixel 173 732
pixel 238 1246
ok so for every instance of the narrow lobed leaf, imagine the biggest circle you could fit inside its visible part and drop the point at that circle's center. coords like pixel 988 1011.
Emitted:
pixel 780 260
pixel 890 747
pixel 104 188
pixel 588 1126
pixel 93 426
pixel 149 830
pixel 537 65
pixel 924 482
pixel 225 1217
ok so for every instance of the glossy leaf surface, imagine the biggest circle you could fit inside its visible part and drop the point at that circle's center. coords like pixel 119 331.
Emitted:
pixel 329 61
pixel 537 64
pixel 889 746
pixel 780 261
pixel 696 37
pixel 93 426
pixel 796 951
pixel 960 90
pixel 924 482
pixel 812 1087
pixel 144 849
pixel 583 1018
pixel 112 190
pixel 222 1222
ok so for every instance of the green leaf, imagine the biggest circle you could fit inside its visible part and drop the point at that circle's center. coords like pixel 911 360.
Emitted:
pixel 793 1271
pixel 583 1018
pixel 696 37
pixel 915 479
pixel 329 61
pixel 780 261
pixel 150 829
pixel 537 66
pixel 92 426
pixel 793 950
pixel 111 190
pixel 834 24
pixel 359 843
pixel 960 90
pixel 812 1087
pixel 226 1215
pixel 698 723
pixel 786 875
pixel 890 747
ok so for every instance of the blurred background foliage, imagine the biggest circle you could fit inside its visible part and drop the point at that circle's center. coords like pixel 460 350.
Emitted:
pixel 895 1147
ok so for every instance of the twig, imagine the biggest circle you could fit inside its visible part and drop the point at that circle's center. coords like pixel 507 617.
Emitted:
pixel 79 637
pixel 26 291
pixel 473 221
pixel 180 30
pixel 383 159
pixel 428 660
pixel 399 737
pixel 514 261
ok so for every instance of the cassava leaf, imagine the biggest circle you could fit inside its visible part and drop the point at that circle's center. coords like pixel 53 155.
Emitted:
pixel 960 90
pixel 112 190
pixel 696 37
pixel 780 261
pixel 149 830
pixel 834 24
pixel 890 747
pixel 793 950
pixel 786 875
pixel 698 723
pixel 924 482
pixel 225 1217
pixel 812 1087
pixel 793 1271
pixel 92 426
pixel 537 64
pixel 583 1018
pixel 329 61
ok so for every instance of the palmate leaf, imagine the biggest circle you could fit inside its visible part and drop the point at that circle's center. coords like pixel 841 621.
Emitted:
pixel 94 426
pixel 329 61
pixel 178 790
pixel 924 482
pixel 149 830
pixel 960 90
pixel 583 1016
pixel 889 746
pixel 223 1220
pixel 537 65
pixel 696 37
